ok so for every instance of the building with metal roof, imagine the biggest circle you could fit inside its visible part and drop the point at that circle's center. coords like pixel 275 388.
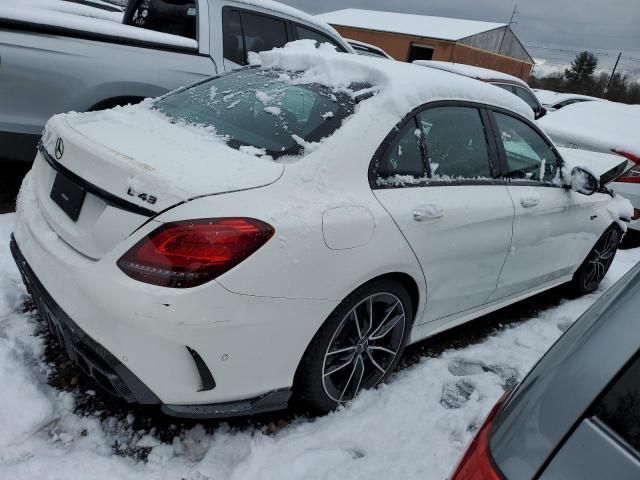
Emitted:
pixel 409 37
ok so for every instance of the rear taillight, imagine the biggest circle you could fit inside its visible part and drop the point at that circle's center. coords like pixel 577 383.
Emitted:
pixel 632 175
pixel 636 214
pixel 189 253
pixel 477 463
pixel 628 155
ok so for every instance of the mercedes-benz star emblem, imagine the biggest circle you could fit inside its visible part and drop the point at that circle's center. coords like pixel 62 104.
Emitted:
pixel 59 148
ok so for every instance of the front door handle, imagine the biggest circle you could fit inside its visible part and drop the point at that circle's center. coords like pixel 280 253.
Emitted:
pixel 427 212
pixel 529 202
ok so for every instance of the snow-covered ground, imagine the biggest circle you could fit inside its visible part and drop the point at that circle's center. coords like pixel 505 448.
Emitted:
pixel 414 427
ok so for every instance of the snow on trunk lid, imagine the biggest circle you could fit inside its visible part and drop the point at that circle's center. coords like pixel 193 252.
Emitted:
pixel 122 191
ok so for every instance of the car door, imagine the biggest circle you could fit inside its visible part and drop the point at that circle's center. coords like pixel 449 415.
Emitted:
pixel 551 227
pixel 435 175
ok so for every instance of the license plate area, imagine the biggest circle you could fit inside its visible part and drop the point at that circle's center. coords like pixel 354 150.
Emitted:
pixel 69 196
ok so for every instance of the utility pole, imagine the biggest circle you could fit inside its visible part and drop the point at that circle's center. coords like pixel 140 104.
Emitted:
pixel 606 89
pixel 512 21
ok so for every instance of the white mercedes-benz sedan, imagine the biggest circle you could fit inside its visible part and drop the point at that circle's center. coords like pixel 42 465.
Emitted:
pixel 290 227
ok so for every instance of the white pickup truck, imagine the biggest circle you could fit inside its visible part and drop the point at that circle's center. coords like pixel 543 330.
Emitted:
pixel 52 61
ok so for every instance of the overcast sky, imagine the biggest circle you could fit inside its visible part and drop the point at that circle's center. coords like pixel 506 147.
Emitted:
pixel 606 26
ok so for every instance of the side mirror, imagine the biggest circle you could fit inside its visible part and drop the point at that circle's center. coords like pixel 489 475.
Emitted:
pixel 584 182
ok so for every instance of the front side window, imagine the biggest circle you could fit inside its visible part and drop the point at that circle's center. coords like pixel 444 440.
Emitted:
pixel 245 32
pixel 264 112
pixel 304 33
pixel 455 143
pixel 402 161
pixel 619 408
pixel 529 156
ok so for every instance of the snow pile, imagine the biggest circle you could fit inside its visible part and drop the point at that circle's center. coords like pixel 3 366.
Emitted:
pixel 415 427
pixel 599 126
pixel 100 26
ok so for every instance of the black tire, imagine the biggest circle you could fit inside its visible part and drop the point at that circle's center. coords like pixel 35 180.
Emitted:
pixel 595 267
pixel 350 343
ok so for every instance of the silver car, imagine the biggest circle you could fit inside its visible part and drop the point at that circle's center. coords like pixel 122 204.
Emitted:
pixel 577 414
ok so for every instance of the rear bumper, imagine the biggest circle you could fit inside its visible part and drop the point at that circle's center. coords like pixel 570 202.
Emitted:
pixel 92 358
pixel 112 375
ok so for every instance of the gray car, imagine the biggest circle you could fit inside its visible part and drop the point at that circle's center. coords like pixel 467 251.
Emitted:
pixel 577 414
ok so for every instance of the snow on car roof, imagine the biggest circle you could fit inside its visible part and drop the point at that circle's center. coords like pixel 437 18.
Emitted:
pixel 471 71
pixel 402 86
pixel 596 125
pixel 99 26
pixel 409 24
pixel 549 97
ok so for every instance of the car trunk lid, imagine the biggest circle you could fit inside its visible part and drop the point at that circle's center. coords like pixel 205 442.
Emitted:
pixel 126 173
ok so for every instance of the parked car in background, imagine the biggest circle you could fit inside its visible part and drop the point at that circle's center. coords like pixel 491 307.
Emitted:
pixel 362 48
pixel 221 217
pixel 603 127
pixel 56 61
pixel 553 101
pixel 505 81
pixel 575 415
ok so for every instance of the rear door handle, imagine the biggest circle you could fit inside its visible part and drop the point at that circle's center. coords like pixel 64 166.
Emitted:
pixel 529 202
pixel 427 212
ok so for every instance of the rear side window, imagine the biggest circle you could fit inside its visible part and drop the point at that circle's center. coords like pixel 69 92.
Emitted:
pixel 619 408
pixel 304 33
pixel 456 143
pixel 245 32
pixel 177 17
pixel 402 161
pixel 529 156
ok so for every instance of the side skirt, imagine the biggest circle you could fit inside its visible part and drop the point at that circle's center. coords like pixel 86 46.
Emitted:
pixel 420 332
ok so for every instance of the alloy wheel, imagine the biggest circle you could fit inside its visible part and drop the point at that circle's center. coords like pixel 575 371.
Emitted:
pixel 600 259
pixel 364 346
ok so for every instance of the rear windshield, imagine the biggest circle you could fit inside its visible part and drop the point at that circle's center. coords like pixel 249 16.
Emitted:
pixel 265 112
